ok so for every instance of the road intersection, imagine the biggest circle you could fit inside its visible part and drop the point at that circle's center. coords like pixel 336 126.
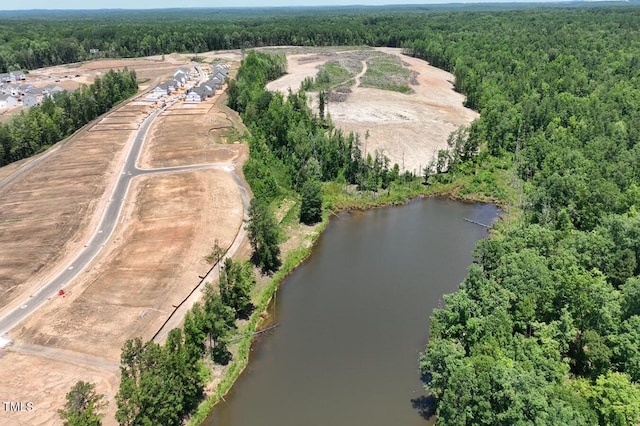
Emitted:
pixel 107 225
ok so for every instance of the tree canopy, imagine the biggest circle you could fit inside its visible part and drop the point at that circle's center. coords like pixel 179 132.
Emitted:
pixel 83 406
pixel 541 330
pixel 43 125
pixel 263 235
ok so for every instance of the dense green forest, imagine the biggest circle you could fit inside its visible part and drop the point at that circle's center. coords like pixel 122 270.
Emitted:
pixel 62 114
pixel 544 329
pixel 34 39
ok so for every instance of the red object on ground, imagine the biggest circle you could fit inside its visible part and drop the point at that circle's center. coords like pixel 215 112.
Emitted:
pixel 61 293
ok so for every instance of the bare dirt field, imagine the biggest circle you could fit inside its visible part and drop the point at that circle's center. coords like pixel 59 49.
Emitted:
pixel 407 128
pixel 46 212
pixel 199 134
pixel 150 264
pixel 71 76
pixel 299 67
pixel 40 375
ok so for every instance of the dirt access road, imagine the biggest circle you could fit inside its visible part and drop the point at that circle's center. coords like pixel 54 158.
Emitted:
pixel 151 263
pixel 407 128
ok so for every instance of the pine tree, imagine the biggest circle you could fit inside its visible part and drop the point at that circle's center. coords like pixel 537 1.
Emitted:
pixel 311 204
pixel 82 406
pixel 263 236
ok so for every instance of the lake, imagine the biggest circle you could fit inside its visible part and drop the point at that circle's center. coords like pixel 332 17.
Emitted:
pixel 353 319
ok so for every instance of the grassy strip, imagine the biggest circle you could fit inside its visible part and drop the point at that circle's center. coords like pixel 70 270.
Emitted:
pixel 483 188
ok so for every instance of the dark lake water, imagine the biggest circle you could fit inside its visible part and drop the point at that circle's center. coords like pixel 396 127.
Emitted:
pixel 354 318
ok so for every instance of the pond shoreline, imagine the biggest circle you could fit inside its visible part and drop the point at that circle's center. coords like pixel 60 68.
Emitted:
pixel 292 259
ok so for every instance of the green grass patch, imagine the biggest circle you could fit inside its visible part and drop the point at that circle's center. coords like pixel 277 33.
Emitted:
pixel 233 135
pixel 292 216
pixel 331 75
pixel 386 72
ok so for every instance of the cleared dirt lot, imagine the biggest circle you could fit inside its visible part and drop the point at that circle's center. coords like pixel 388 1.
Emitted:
pixel 73 75
pixel 151 262
pixel 407 128
pixel 46 212
pixel 199 134
pixel 40 376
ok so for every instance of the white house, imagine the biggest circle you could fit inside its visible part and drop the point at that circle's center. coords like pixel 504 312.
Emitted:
pixel 11 89
pixel 193 97
pixel 8 101
pixel 161 90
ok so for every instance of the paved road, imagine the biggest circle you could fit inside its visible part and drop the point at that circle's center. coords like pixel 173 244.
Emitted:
pixel 105 228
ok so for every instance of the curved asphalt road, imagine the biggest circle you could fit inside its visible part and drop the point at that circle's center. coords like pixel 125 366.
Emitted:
pixel 106 226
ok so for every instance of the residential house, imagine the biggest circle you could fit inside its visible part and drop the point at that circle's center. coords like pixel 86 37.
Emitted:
pixel 39 93
pixel 193 97
pixel 216 82
pixel 161 90
pixel 7 101
pixel 24 88
pixel 11 90
pixel 51 90
pixel 181 75
pixel 173 86
pixel 30 100
pixel 219 68
pixel 208 89
pixel 5 78
pixel 17 75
